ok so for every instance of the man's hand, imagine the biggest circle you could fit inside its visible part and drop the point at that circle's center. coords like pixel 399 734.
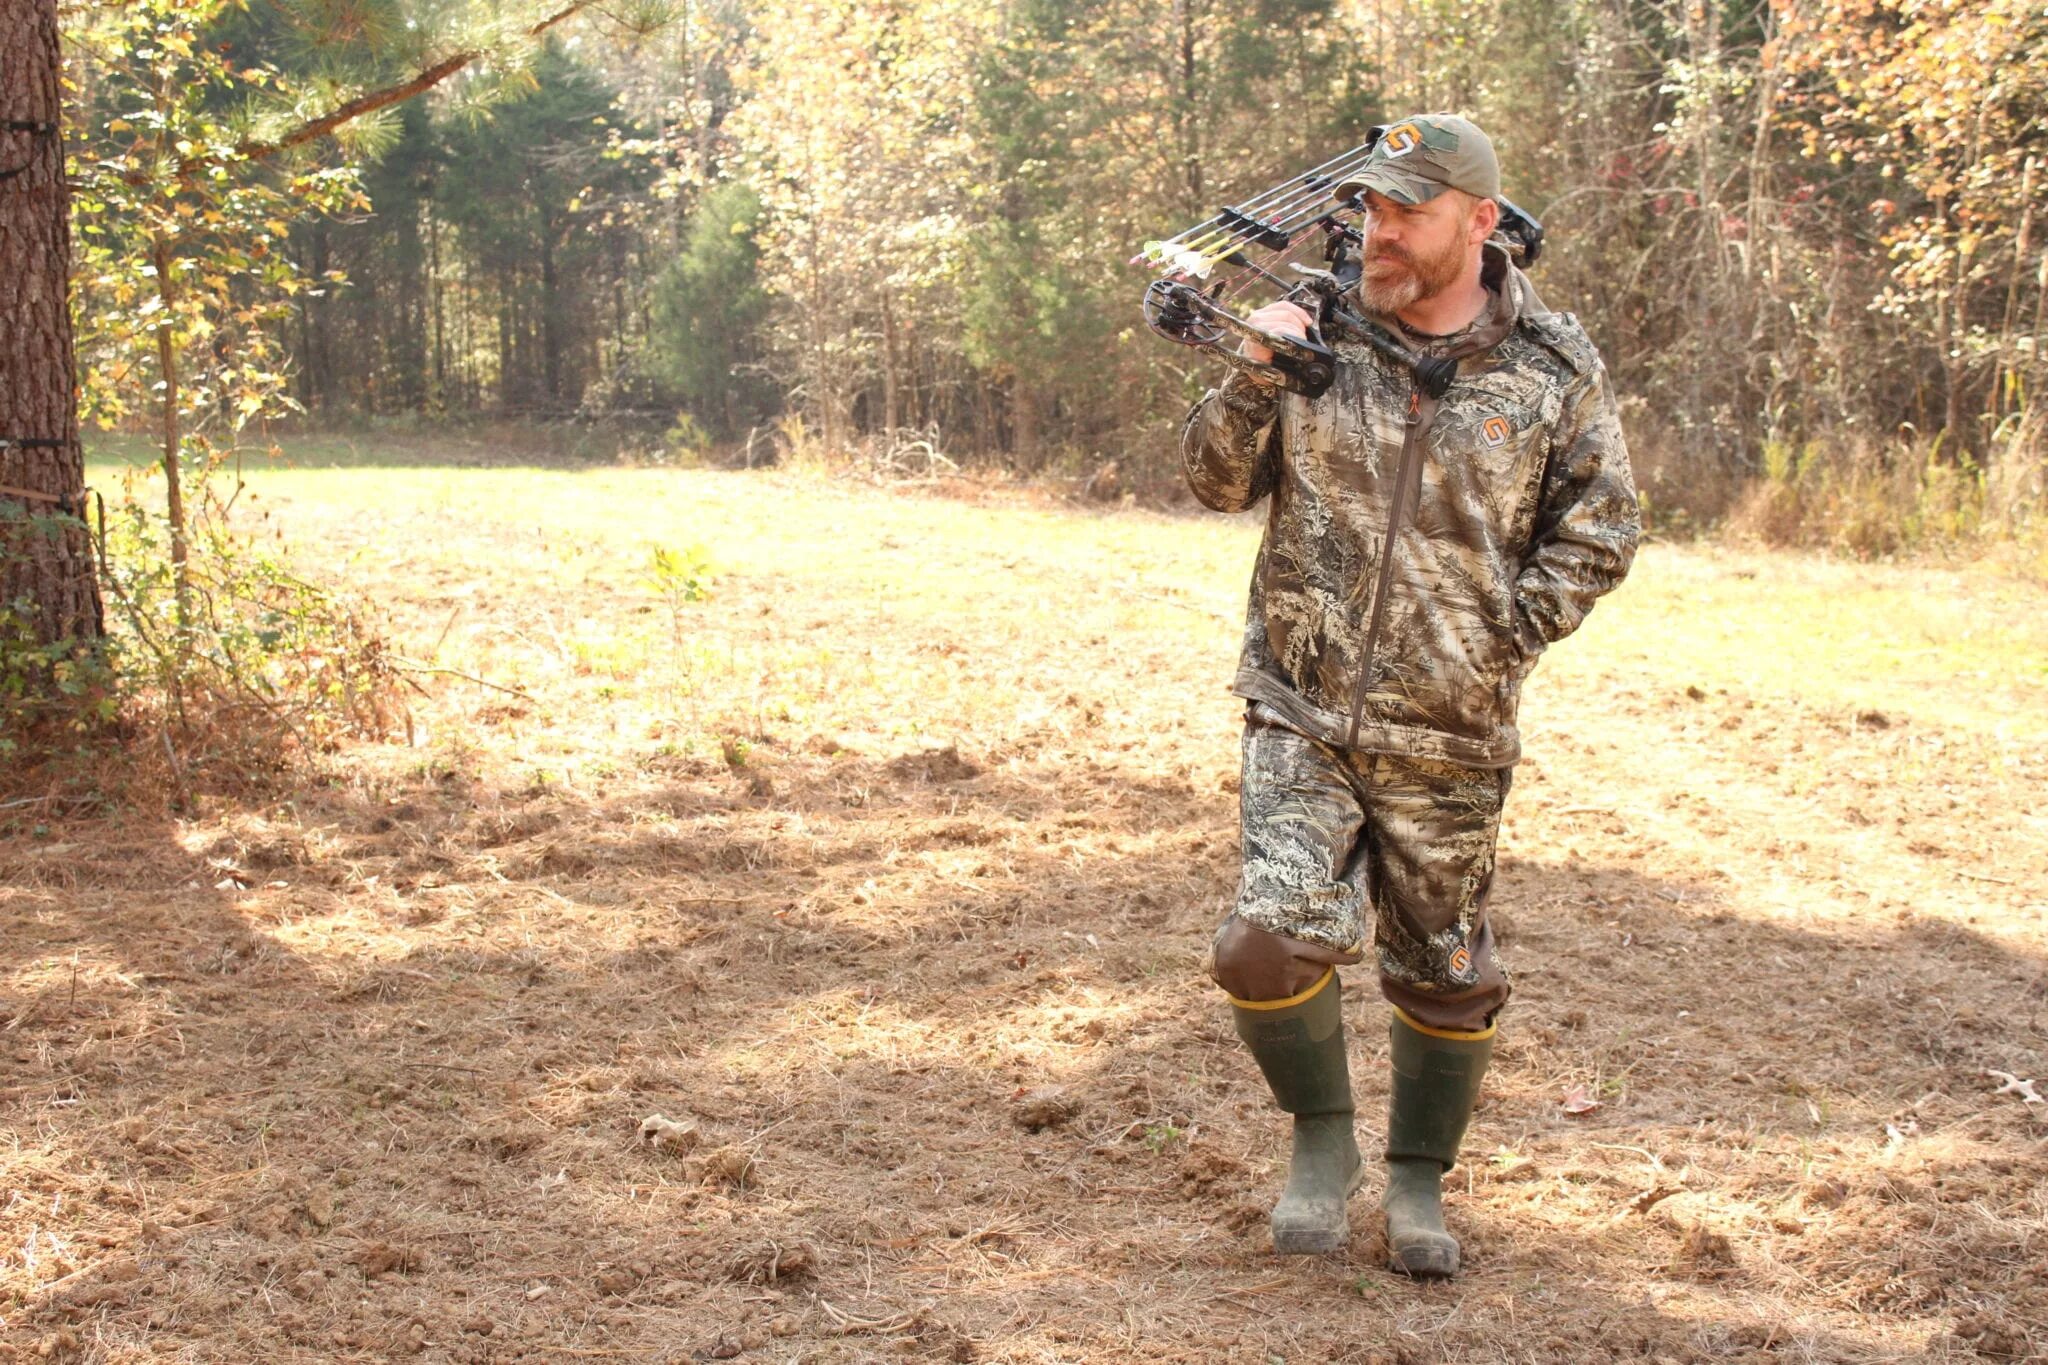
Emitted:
pixel 1281 319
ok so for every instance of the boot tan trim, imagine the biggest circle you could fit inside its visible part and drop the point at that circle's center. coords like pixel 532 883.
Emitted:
pixel 1454 1035
pixel 1329 973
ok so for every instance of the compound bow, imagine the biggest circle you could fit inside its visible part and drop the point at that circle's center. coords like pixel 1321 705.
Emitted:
pixel 1283 223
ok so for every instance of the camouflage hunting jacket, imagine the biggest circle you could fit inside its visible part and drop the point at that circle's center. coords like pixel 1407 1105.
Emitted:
pixel 1405 622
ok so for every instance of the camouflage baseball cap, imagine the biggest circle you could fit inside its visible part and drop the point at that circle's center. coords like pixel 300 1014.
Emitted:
pixel 1419 157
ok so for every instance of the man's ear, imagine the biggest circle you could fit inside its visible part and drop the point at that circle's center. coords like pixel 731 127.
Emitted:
pixel 1485 218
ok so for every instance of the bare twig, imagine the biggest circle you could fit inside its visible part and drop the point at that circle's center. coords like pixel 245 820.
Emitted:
pixel 414 666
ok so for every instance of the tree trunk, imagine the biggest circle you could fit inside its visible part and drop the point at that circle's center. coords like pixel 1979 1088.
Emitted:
pixel 437 393
pixel 1024 437
pixel 412 332
pixel 319 361
pixel 45 550
pixel 505 376
pixel 1188 115
pixel 550 318
pixel 2004 392
pixel 892 417
pixel 174 485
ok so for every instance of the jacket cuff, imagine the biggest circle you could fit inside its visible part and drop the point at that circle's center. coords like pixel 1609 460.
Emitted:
pixel 1249 397
pixel 1529 638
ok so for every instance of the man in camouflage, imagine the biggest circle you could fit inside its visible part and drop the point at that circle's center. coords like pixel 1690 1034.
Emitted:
pixel 1419 556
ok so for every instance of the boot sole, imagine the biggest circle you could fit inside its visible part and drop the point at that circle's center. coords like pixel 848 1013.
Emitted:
pixel 1319 1241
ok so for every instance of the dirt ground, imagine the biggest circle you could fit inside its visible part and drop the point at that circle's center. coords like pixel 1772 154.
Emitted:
pixel 812 972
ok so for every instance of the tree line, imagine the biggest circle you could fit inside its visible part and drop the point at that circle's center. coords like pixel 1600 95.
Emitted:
pixel 1804 232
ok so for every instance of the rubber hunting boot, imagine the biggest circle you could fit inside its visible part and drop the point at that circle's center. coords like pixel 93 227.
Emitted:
pixel 1435 1084
pixel 1299 1045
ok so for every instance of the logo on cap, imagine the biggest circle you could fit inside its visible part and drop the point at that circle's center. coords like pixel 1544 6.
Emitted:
pixel 1401 140
pixel 1496 431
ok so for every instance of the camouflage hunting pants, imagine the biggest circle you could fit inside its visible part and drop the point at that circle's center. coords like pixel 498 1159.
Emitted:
pixel 1334 837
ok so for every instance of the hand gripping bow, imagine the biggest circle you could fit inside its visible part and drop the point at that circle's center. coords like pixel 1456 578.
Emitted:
pixel 1255 242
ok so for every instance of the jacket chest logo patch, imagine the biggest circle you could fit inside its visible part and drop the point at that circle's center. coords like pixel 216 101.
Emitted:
pixel 1495 431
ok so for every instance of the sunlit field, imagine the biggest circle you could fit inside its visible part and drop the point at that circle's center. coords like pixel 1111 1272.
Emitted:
pixel 870 839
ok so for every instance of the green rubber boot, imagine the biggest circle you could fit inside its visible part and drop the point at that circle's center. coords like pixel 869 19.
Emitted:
pixel 1435 1084
pixel 1299 1045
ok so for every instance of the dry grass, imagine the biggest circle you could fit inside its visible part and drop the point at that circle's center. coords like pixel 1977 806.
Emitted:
pixel 886 872
pixel 1868 502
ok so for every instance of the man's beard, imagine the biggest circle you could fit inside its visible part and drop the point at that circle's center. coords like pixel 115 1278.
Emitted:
pixel 1419 277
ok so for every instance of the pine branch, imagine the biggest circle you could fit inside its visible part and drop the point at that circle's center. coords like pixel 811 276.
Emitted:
pixel 371 101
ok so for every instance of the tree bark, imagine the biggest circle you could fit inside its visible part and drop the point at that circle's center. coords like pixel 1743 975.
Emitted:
pixel 892 417
pixel 505 362
pixel 550 317
pixel 45 550
pixel 1189 113
pixel 320 362
pixel 174 484
pixel 2007 366
pixel 437 303
pixel 1024 428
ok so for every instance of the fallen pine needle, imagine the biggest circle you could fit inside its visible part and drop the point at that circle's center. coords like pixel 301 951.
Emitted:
pixel 848 1323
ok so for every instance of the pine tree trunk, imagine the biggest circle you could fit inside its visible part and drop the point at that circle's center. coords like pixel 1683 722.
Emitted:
pixel 437 305
pixel 45 551
pixel 319 360
pixel 892 417
pixel 1189 113
pixel 410 261
pixel 1024 437
pixel 550 318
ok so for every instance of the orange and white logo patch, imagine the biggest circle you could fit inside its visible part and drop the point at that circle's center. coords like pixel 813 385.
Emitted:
pixel 1496 431
pixel 1401 140
pixel 1461 964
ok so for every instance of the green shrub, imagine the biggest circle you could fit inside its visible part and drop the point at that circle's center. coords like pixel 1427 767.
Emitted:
pixel 250 659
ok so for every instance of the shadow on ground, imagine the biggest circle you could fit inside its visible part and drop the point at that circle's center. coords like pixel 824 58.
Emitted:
pixel 367 1082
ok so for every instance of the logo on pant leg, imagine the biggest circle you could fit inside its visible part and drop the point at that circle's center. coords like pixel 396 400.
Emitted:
pixel 1495 431
pixel 1461 968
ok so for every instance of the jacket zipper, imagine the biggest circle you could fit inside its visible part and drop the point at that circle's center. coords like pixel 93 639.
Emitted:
pixel 1404 474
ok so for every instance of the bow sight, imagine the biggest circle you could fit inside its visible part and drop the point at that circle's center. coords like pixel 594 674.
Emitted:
pixel 1284 223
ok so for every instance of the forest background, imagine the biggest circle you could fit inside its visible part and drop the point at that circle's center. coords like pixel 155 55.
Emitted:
pixel 1804 233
